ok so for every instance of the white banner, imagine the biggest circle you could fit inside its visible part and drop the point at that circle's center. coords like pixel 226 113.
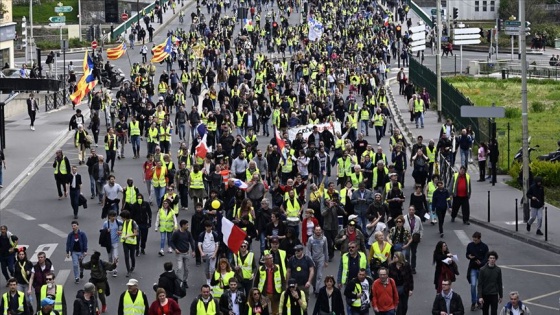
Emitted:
pixel 308 129
pixel 315 29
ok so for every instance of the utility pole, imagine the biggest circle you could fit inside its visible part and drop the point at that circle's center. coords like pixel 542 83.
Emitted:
pixel 31 41
pixel 438 58
pixel 524 114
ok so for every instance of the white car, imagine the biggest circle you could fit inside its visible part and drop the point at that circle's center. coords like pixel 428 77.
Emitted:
pixel 13 73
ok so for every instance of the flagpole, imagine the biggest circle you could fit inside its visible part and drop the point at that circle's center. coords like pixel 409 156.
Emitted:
pixel 129 62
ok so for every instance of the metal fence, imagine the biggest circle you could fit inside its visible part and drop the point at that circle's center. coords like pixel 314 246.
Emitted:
pixel 444 170
pixel 452 99
pixel 125 26
pixel 54 100
pixel 423 15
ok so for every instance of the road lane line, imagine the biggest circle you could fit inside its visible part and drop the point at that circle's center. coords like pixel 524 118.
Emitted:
pixel 62 276
pixel 543 306
pixel 54 230
pixel 463 237
pixel 529 265
pixel 541 296
pixel 531 271
pixel 20 214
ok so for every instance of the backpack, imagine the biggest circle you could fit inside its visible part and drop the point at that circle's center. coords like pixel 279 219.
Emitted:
pixel 179 288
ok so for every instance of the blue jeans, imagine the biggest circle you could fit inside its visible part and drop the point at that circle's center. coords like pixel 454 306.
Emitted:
pixel 419 117
pixel 135 140
pixel 465 157
pixel 159 192
pixel 182 131
pixel 76 264
pixel 474 281
pixel 265 127
pixel 364 127
pixel 163 235
pixel 92 185
pixel 391 312
pixel 263 242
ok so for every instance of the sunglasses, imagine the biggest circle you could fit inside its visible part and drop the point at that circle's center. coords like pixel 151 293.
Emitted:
pixel 243 246
pixel 49 279
pixel 399 222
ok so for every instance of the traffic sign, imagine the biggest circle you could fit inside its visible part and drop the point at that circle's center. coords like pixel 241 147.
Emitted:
pixel 63 9
pixel 124 16
pixel 418 36
pixel 483 112
pixel 472 30
pixel 466 36
pixel 57 19
pixel 434 11
pixel 512 23
pixel 94 44
pixel 57 24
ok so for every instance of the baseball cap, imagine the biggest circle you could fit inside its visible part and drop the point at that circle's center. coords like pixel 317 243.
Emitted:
pixel 292 282
pixel 46 301
pixel 352 217
pixel 132 282
pixel 274 239
pixel 298 247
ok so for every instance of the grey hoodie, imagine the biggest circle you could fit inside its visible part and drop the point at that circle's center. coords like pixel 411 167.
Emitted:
pixel 317 247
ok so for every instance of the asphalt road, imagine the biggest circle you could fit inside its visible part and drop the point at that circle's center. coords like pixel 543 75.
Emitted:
pixel 42 222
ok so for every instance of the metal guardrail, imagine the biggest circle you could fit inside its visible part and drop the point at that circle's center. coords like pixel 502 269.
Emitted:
pixel 538 70
pixel 445 169
pixel 54 100
pixel 122 28
pixel 423 15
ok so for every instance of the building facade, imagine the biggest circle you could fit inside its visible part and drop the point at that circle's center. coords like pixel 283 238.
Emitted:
pixel 7 34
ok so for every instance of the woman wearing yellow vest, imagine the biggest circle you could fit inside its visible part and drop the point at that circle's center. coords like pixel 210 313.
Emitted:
pixel 379 253
pixel 166 222
pixel 129 238
pixel 220 280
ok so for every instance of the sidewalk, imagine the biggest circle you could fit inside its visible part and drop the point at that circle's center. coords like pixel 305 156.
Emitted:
pixel 502 196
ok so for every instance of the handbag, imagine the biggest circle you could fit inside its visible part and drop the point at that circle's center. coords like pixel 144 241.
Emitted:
pixel 82 201
pixel 105 237
pixel 416 237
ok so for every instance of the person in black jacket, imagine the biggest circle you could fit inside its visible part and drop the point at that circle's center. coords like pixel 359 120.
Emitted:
pixel 226 301
pixel 322 302
pixel 141 213
pixel 455 306
pixel 75 183
pixel 536 197
pixel 167 280
pixel 32 109
pixel 356 295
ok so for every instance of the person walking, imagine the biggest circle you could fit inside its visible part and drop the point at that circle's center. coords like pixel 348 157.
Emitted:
pixel 75 190
pixel 32 109
pixel 204 303
pixel 47 307
pixel 490 286
pixel 440 204
pixel 111 147
pixel 129 238
pixel 39 275
pixel 76 247
pixel 86 302
pixel 98 276
pixel 54 292
pixel 166 222
pixel 133 301
pixel 318 250
pixel 293 300
pixel 233 300
pixel 100 173
pixel 536 196
pixel 14 301
pixel 384 294
pixel 476 254
pixel 245 265
pixel 358 293
pixel 401 272
pixel 141 213
pixel 329 299
pixel 62 168
pixel 113 226
pixel 448 302
pixel 461 191
pixel 515 306
pixel 163 305
pixel 23 274
pixel 8 249
pixel 182 242
pixel 413 224
pixel 81 142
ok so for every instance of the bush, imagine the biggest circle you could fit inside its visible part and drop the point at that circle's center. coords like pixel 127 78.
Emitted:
pixel 75 43
pixel 513 112
pixel 537 107
pixel 549 171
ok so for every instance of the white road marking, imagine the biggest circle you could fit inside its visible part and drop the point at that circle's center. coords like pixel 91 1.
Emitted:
pixel 20 214
pixel 531 271
pixel 62 276
pixel 54 230
pixel 543 306
pixel 463 237
pixel 541 296
pixel 47 248
pixel 520 222
pixel 530 265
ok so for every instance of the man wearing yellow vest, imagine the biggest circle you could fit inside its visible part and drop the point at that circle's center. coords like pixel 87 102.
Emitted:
pixel 129 195
pixel 133 301
pixel 270 281
pixel 196 185
pixel 351 263
pixel 205 303
pixel 134 128
pixel 14 301
pixel 246 265
pixel 364 120
pixel 62 169
pixel 358 296
pixel 54 292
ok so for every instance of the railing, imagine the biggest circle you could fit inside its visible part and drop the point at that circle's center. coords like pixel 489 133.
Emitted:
pixel 123 28
pixel 446 171
pixel 423 15
pixel 54 100
pixel 537 70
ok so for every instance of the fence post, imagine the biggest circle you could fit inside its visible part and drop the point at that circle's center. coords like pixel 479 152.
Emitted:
pixel 508 128
pixel 546 224
pixel 46 106
pixel 489 206
pixel 516 216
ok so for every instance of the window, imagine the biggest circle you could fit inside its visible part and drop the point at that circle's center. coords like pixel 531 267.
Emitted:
pixel 484 6
pixel 492 6
pixel 476 6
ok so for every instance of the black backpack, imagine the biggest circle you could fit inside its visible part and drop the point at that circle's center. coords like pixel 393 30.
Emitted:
pixel 180 291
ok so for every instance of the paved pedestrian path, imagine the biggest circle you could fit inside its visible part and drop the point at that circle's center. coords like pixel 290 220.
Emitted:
pixel 502 196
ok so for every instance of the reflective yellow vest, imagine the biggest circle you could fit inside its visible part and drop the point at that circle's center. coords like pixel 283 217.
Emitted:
pixel 175 207
pixel 130 194
pixel 364 114
pixel 378 120
pixel 381 255
pixel 344 167
pixel 431 154
pixel 134 128
pixel 128 231
pixel 418 106
pixel 20 301
pixel 246 266
pixel 287 166
pixel 363 264
pixel 196 181
pixel 166 221
pixel 356 180
pixel 136 307
pixel 239 119
pixel 201 310
pixel 57 297
pixel 62 165
pixel 153 135
pixel 357 302
pixel 110 138
pixel 293 208
pixel 163 131
pixel 430 191
pixel 218 289
pixel 277 279
pixel 212 126
pixel 159 181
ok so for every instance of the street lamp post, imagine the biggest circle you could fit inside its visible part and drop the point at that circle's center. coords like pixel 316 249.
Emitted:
pixel 31 40
pixel 79 19
pixel 524 111
pixel 24 32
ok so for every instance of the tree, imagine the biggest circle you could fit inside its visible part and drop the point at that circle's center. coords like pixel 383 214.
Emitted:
pixel 534 13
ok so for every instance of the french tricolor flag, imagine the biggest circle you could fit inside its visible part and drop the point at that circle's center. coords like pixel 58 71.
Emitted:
pixel 233 235
pixel 281 144
pixel 202 148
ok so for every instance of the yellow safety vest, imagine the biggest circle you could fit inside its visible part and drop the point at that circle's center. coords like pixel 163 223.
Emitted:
pixel 62 168
pixel 20 301
pixel 130 194
pixel 468 177
pixel 129 232
pixel 277 279
pixel 378 120
pixel 166 222
pixel 201 310
pixel 57 297
pixel 110 138
pixel 344 167
pixel 353 119
pixel 363 264
pixel 356 180
pixel 364 114
pixel 430 191
pixel 287 301
pixel 175 207
pixel 246 266
pixel 418 106
pixel 196 181
pixel 431 154
pixel 239 119
pixel 137 307
pixel 159 182
pixel 287 166
pixel 162 87
pixel 153 135
pixel 217 291
pixel 162 132
pixel 212 126
pixel 293 208
pixel 134 128
pixel 339 143
pixel 382 256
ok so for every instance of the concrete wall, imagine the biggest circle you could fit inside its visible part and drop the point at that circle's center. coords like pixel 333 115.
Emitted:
pixel 18 106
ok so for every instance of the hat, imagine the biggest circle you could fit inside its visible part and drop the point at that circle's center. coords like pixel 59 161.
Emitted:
pixel 46 301
pixel 352 217
pixel 392 174
pixel 274 239
pixel 298 247
pixel 161 98
pixel 89 287
pixel 292 282
pixel 132 282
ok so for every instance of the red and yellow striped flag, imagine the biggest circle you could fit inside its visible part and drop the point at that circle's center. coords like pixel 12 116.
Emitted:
pixel 116 52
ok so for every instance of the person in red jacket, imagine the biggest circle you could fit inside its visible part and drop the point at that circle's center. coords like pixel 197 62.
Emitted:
pixel 309 223
pixel 384 294
pixel 163 305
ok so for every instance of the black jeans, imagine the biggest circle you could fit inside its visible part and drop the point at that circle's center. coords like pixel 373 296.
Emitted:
pixel 463 203
pixel 7 265
pixel 129 256
pixel 330 235
pixel 440 217
pixel 184 195
pixel 143 237
pixel 413 250
pixel 75 199
pixel 111 155
pixel 32 115
pixel 490 305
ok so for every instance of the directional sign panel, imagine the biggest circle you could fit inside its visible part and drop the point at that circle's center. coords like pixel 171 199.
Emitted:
pixel 63 9
pixel 472 30
pixel 57 24
pixel 466 36
pixel 57 19
pixel 418 36
pixel 483 112
pixel 512 23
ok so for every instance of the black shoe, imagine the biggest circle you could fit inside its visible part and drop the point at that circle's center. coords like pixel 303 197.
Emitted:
pixel 452 219
pixel 81 274
pixel 441 235
pixel 528 227
pixel 76 280
pixel 539 232
pixel 413 271
pixel 137 253
pixel 128 274
pixel 185 284
pixel 473 307
pixel 466 223
pixel 119 157
pixel 75 217
pixel 143 252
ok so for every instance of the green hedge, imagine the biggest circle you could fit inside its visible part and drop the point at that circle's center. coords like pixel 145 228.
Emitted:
pixel 549 171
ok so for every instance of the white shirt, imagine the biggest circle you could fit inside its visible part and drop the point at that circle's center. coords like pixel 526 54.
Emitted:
pixel 112 192
pixel 208 244
pixel 234 305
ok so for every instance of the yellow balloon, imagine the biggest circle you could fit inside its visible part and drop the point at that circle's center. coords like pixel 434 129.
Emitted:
pixel 216 204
